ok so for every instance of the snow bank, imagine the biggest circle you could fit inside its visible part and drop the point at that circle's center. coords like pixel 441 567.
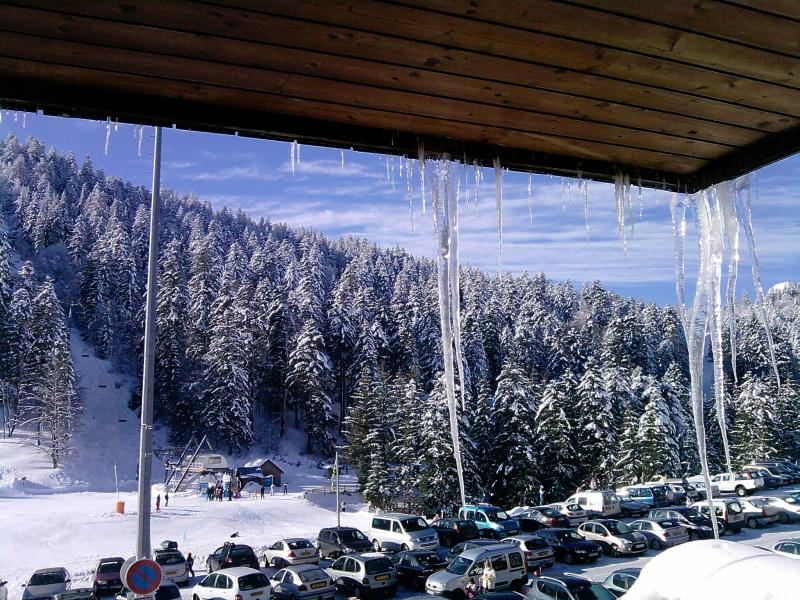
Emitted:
pixel 717 569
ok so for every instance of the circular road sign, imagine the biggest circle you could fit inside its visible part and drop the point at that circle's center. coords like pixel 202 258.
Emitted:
pixel 141 576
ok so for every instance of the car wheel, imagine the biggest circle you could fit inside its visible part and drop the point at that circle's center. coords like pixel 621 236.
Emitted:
pixel 656 544
pixel 568 558
pixel 403 548
pixel 277 562
pixel 783 518
pixel 376 545
pixel 614 551
pixel 752 523
pixel 740 491
pixel 357 593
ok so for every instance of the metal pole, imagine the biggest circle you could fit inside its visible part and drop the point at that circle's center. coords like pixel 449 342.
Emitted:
pixel 338 506
pixel 145 440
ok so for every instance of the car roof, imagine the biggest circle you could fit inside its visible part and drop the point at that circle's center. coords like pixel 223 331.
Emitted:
pixel 365 556
pixel 339 529
pixel 570 580
pixel 294 539
pixel 50 570
pixel 417 552
pixel 627 571
pixel 554 530
pixel 606 521
pixel 522 536
pixel 474 553
pixel 301 568
pixel 397 516
pixel 238 571
pixel 111 559
pixel 794 540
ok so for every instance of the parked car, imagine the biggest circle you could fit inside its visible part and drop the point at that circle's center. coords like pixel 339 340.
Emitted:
pixel 361 575
pixel 654 496
pixel 741 483
pixel 415 566
pixel 788 506
pixel 569 547
pixel 619 582
pixel 173 565
pixel 46 583
pixel 603 503
pixel 231 555
pixel 85 593
pixel 681 492
pixel 500 596
pixel 506 560
pixel 632 508
pixel 697 526
pixel 614 537
pixel 567 587
pixel 700 486
pixel 771 482
pixel 790 548
pixel 291 551
pixel 490 518
pixel 789 473
pixel 574 513
pixel 168 590
pixel 452 531
pixel 758 515
pixel 536 551
pixel 662 533
pixel 106 577
pixel 459 549
pixel 302 582
pixel 538 517
pixel 333 542
pixel 729 513
pixel 236 583
pixel 400 532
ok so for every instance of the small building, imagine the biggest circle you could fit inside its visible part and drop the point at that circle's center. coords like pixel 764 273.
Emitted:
pixel 266 468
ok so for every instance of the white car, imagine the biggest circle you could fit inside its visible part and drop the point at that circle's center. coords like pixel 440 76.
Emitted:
pixel 574 513
pixel 397 531
pixel 566 587
pixel 788 507
pixel 740 483
pixel 302 582
pixel 662 533
pixel 46 583
pixel 790 548
pixel 173 565
pixel 168 590
pixel 237 583
pixel 291 551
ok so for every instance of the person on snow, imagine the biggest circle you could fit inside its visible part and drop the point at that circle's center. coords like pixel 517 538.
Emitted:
pixel 166 499
pixel 541 494
pixel 343 507
pixel 262 491
pixel 190 564
pixel 271 489
pixel 158 503
pixel 488 577
pixel 285 488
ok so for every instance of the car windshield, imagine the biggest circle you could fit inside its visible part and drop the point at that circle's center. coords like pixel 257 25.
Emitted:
pixel 691 513
pixel 313 575
pixel 253 581
pixel 618 528
pixel 48 578
pixel 568 536
pixel 496 515
pixel 458 566
pixel 415 524
pixel 574 507
pixel 378 565
pixel 351 535
pixel 667 523
pixel 734 508
pixel 244 552
pixel 168 592
pixel 169 558
pixel 298 544
pixel 593 592
pixel 427 560
pixel 109 567
pixel 759 502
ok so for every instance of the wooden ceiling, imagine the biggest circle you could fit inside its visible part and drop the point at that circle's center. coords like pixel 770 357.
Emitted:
pixel 677 93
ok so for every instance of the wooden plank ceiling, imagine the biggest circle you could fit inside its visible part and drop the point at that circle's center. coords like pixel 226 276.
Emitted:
pixel 679 94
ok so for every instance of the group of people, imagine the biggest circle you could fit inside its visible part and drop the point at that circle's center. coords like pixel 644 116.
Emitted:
pixel 217 492
pixel 272 489
pixel 158 501
pixel 485 583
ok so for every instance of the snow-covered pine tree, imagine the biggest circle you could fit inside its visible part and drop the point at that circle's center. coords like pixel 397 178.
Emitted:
pixel 628 467
pixel 658 447
pixel 58 406
pixel 555 438
pixel 596 425
pixel 755 425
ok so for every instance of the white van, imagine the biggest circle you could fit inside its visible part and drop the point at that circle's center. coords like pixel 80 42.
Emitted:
pixel 730 515
pixel 506 560
pixel 396 531
pixel 597 503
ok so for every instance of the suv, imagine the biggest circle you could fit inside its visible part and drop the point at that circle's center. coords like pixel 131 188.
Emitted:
pixel 569 547
pixel 452 531
pixel 106 575
pixel 361 574
pixel 614 537
pixel 567 587
pixel 729 513
pixel 601 503
pixel 238 583
pixel 396 531
pixel 654 496
pixel 173 565
pixel 333 542
pixel 506 560
pixel 490 518
pixel 740 482
pixel 231 555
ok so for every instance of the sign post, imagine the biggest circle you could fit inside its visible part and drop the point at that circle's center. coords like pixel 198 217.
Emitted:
pixel 142 576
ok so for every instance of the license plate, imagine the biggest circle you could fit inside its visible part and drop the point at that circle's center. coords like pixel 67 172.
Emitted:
pixel 594 554
pixel 381 578
pixel 319 584
pixel 638 546
pixel 172 572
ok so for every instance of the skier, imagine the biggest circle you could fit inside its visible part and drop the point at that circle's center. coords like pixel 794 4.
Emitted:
pixel 285 488
pixel 190 564
pixel 166 499
pixel 158 503
pixel 488 577
pixel 343 507
pixel 541 494
pixel 271 489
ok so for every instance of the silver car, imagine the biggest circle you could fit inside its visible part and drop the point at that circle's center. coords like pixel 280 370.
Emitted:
pixel 662 533
pixel 291 551
pixel 615 537
pixel 574 512
pixel 46 583
pixel 302 582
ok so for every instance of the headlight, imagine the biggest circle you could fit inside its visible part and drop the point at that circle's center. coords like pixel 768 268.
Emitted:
pixel 580 551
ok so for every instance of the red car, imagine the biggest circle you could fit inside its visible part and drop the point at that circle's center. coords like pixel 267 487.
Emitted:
pixel 106 578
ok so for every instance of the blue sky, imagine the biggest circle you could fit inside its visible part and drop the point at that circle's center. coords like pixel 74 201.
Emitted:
pixel 359 199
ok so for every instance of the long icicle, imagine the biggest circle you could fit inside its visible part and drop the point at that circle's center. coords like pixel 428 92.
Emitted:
pixel 108 135
pixel 530 197
pixel 745 212
pixel 421 162
pixel 410 191
pixel 725 194
pixel 619 200
pixel 498 192
pixel 455 291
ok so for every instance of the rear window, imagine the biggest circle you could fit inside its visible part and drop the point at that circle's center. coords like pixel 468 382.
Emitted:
pixel 109 567
pixel 351 535
pixel 427 560
pixel 169 558
pixel 298 544
pixel 378 565
pixel 168 592
pixel 253 581
pixel 242 552
pixel 666 524
pixel 535 544
pixel 549 512
pixel 49 578
pixel 312 575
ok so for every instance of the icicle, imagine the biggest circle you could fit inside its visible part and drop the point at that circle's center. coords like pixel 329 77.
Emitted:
pixel 745 214
pixel 410 192
pixel 530 197
pixel 498 191
pixel 455 291
pixel 444 237
pixel 141 133
pixel 24 120
pixel 16 116
pixel 583 191
pixel 342 156
pixel 391 166
pixel 563 194
pixel 386 160
pixel 678 210
pixel 619 199
pixel 297 153
pixel 478 181
pixel 421 162
pixel 626 184
pixel 116 125
pixel 108 134
pixel 641 198
pixel 293 155
pixel 731 223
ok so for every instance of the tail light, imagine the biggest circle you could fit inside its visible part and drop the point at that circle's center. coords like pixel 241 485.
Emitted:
pixel 238 597
pixel 666 534
pixel 292 554
pixel 551 520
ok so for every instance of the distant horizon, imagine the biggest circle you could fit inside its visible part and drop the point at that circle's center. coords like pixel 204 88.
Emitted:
pixel 357 199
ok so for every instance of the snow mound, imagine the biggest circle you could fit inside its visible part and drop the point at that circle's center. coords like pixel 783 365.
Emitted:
pixel 717 569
